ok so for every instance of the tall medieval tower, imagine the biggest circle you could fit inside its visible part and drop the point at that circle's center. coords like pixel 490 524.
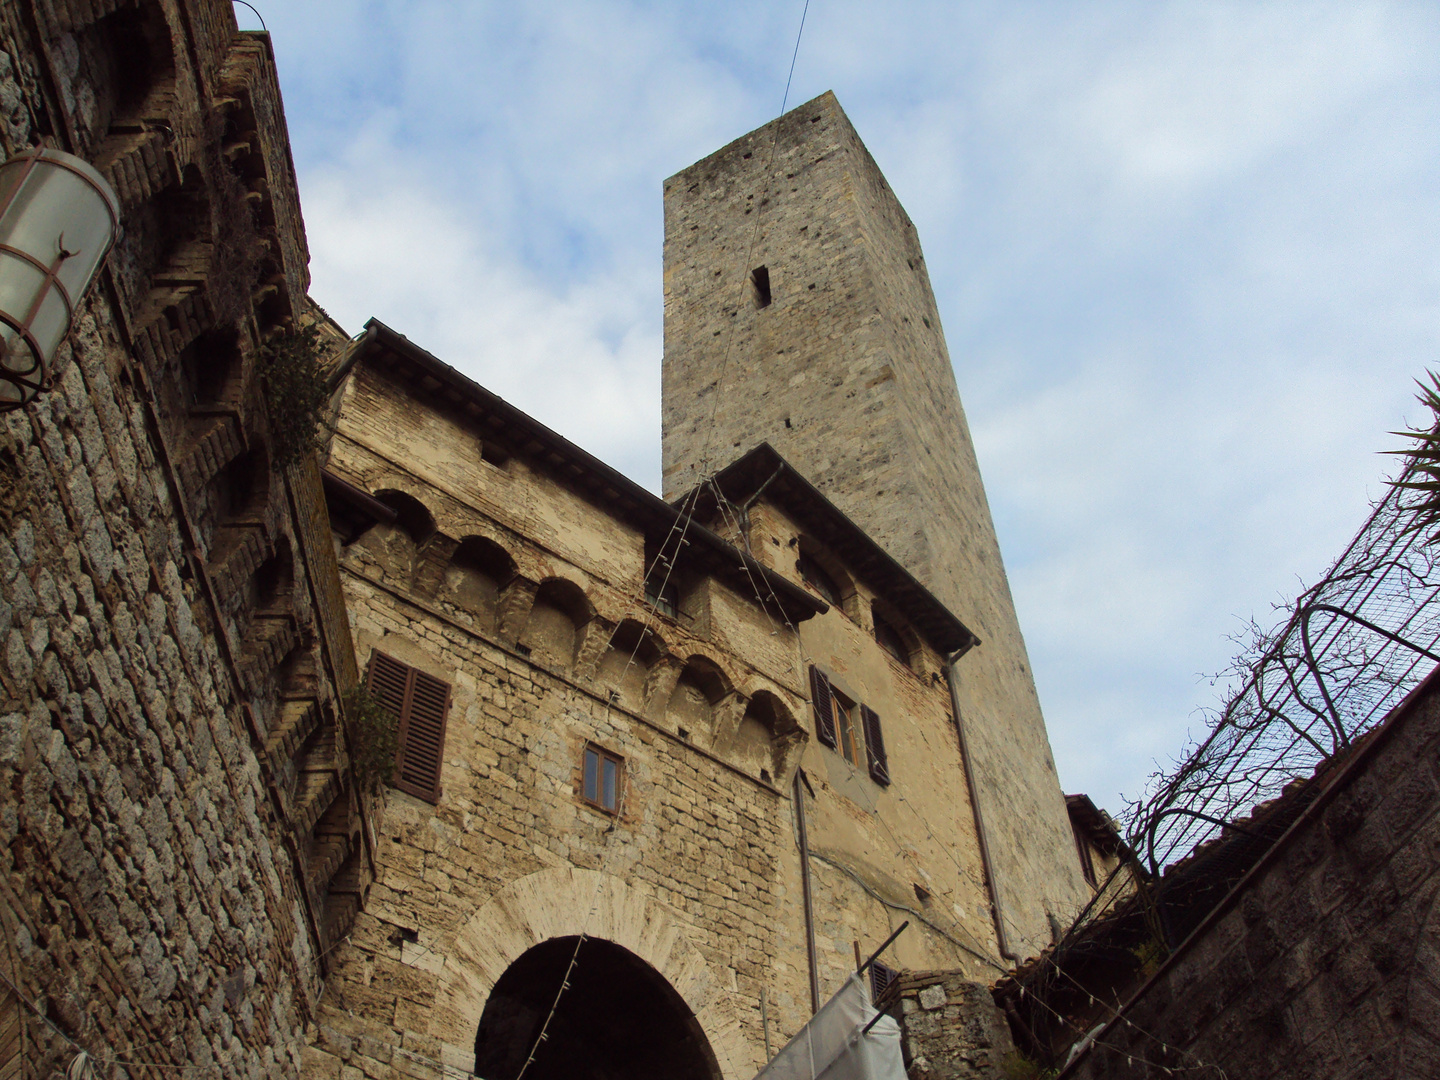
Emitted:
pixel 798 311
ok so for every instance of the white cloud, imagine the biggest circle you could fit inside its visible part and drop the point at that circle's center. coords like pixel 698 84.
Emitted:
pixel 1183 254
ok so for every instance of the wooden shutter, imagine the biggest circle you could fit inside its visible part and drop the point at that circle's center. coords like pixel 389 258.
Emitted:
pixel 420 702
pixel 880 978
pixel 824 709
pixel 11 1036
pixel 875 745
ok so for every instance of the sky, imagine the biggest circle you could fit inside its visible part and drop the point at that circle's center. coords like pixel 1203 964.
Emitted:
pixel 1184 255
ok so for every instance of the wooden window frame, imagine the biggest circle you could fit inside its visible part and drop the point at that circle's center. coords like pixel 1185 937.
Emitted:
pixel 836 723
pixel 420 754
pixel 820 580
pixel 601 755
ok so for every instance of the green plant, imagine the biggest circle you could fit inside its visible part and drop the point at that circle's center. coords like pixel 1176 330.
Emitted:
pixel 295 394
pixel 377 738
pixel 1422 473
pixel 1016 1066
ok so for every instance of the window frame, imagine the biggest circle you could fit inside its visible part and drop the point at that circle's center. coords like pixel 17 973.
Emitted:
pixel 843 711
pixel 851 728
pixel 602 755
pixel 820 580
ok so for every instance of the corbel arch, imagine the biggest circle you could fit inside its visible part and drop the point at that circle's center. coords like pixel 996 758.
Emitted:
pixel 763 737
pixel 552 631
pixel 477 574
pixel 703 699
pixel 631 653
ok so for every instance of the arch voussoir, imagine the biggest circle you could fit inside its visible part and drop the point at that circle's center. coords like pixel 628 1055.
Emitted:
pixel 564 902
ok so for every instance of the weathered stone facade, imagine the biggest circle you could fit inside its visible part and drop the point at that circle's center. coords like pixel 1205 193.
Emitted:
pixel 1323 961
pixel 839 362
pixel 512 568
pixel 181 838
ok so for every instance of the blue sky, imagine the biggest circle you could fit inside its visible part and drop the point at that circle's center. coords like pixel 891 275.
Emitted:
pixel 1184 255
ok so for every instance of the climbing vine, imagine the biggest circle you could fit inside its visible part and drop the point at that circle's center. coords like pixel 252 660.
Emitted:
pixel 377 738
pixel 295 394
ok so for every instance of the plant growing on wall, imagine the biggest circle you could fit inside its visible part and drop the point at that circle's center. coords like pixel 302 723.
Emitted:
pixel 1422 473
pixel 295 394
pixel 377 738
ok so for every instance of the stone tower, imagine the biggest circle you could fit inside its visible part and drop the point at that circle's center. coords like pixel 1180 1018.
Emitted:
pixel 798 311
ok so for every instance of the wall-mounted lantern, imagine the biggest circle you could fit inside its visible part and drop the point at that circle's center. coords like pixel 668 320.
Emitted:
pixel 58 218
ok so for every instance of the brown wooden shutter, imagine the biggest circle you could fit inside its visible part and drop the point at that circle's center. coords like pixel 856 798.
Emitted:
pixel 880 978
pixel 875 745
pixel 420 703
pixel 824 710
pixel 11 1036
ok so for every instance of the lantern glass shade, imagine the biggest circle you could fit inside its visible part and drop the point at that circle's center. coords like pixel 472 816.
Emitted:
pixel 58 219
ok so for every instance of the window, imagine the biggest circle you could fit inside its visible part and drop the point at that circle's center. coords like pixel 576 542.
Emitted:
pixel 760 280
pixel 880 979
pixel 1087 865
pixel 662 595
pixel 816 577
pixel 890 640
pixel 602 780
pixel 836 727
pixel 420 703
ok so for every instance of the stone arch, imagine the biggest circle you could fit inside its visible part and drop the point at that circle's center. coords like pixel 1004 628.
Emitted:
pixel 695 702
pixel 478 572
pixel 618 1017
pixel 392 547
pixel 127 65
pixel 630 655
pixel 562 902
pixel 212 370
pixel 762 736
pixel 552 627
pixel 413 516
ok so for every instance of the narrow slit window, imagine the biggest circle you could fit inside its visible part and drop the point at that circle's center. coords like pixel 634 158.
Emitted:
pixel 760 279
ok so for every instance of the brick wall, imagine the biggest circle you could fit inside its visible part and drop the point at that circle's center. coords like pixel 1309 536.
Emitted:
pixel 1323 961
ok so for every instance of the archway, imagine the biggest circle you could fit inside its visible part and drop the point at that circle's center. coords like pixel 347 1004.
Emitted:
pixel 617 1018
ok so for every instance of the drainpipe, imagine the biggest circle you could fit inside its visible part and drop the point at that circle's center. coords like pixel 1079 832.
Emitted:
pixel 952 678
pixel 804 839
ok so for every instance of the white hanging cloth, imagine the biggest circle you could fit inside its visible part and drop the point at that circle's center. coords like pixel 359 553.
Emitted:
pixel 831 1046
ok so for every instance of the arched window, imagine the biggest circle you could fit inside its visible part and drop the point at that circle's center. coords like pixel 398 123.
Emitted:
pixel 819 579
pixel 890 640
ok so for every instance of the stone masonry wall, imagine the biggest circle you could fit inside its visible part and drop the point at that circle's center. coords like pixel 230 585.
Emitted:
pixel 846 373
pixel 176 801
pixel 951 1029
pixel 467 885
pixel 696 839
pixel 1324 962
pixel 147 894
